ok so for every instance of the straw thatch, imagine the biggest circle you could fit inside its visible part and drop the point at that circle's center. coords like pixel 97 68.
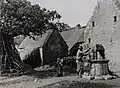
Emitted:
pixel 29 49
pixel 38 41
pixel 73 36
pixel 43 50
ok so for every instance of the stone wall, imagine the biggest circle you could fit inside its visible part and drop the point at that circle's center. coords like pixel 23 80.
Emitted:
pixel 106 31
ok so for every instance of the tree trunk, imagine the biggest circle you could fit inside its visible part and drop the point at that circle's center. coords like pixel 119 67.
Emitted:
pixel 9 56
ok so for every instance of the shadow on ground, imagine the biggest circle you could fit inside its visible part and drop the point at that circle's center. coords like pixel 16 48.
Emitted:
pixel 73 84
pixel 49 72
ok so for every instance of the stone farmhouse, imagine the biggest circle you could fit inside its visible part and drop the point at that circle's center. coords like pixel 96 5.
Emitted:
pixel 104 28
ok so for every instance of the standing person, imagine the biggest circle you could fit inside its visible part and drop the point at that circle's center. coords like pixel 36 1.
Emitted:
pixel 60 67
pixel 79 61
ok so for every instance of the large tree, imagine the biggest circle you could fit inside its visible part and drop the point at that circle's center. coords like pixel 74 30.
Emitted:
pixel 21 17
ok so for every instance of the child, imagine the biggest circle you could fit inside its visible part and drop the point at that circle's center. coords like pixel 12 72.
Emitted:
pixel 60 67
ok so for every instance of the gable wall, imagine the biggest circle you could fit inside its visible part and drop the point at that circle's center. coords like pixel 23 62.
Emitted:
pixel 54 47
pixel 106 31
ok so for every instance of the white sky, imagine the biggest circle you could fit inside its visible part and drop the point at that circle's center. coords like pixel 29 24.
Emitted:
pixel 72 11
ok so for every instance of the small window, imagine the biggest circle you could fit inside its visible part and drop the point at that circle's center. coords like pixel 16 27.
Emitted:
pixel 93 24
pixel 115 18
pixel 89 40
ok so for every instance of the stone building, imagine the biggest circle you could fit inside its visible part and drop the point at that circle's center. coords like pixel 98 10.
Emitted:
pixel 104 28
pixel 43 49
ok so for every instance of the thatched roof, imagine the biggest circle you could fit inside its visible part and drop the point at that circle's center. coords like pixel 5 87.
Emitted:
pixel 29 44
pixel 73 36
pixel 38 42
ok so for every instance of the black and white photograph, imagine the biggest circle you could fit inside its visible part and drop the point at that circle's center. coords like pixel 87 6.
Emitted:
pixel 59 43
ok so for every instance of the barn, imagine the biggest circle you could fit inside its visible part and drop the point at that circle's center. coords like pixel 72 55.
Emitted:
pixel 43 49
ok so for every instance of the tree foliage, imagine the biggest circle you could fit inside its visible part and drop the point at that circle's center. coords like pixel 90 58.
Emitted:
pixel 62 26
pixel 20 17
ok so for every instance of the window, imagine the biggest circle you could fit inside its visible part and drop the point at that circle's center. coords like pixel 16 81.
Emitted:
pixel 89 40
pixel 115 18
pixel 93 24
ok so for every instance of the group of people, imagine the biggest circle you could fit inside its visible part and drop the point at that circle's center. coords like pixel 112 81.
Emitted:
pixel 97 52
pixel 79 60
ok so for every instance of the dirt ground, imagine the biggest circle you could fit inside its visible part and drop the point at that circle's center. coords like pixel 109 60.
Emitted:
pixel 78 84
pixel 46 78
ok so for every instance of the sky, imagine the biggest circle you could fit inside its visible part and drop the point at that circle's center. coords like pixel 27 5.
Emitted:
pixel 73 12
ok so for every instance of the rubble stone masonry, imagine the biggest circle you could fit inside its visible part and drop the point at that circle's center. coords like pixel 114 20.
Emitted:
pixel 104 28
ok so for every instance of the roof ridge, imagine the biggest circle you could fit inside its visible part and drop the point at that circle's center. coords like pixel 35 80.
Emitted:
pixel 45 37
pixel 73 28
pixel 48 36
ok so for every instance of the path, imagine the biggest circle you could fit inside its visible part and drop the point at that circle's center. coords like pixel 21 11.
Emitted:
pixel 31 82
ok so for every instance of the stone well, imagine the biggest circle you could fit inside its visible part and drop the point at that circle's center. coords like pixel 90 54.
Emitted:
pixel 99 67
